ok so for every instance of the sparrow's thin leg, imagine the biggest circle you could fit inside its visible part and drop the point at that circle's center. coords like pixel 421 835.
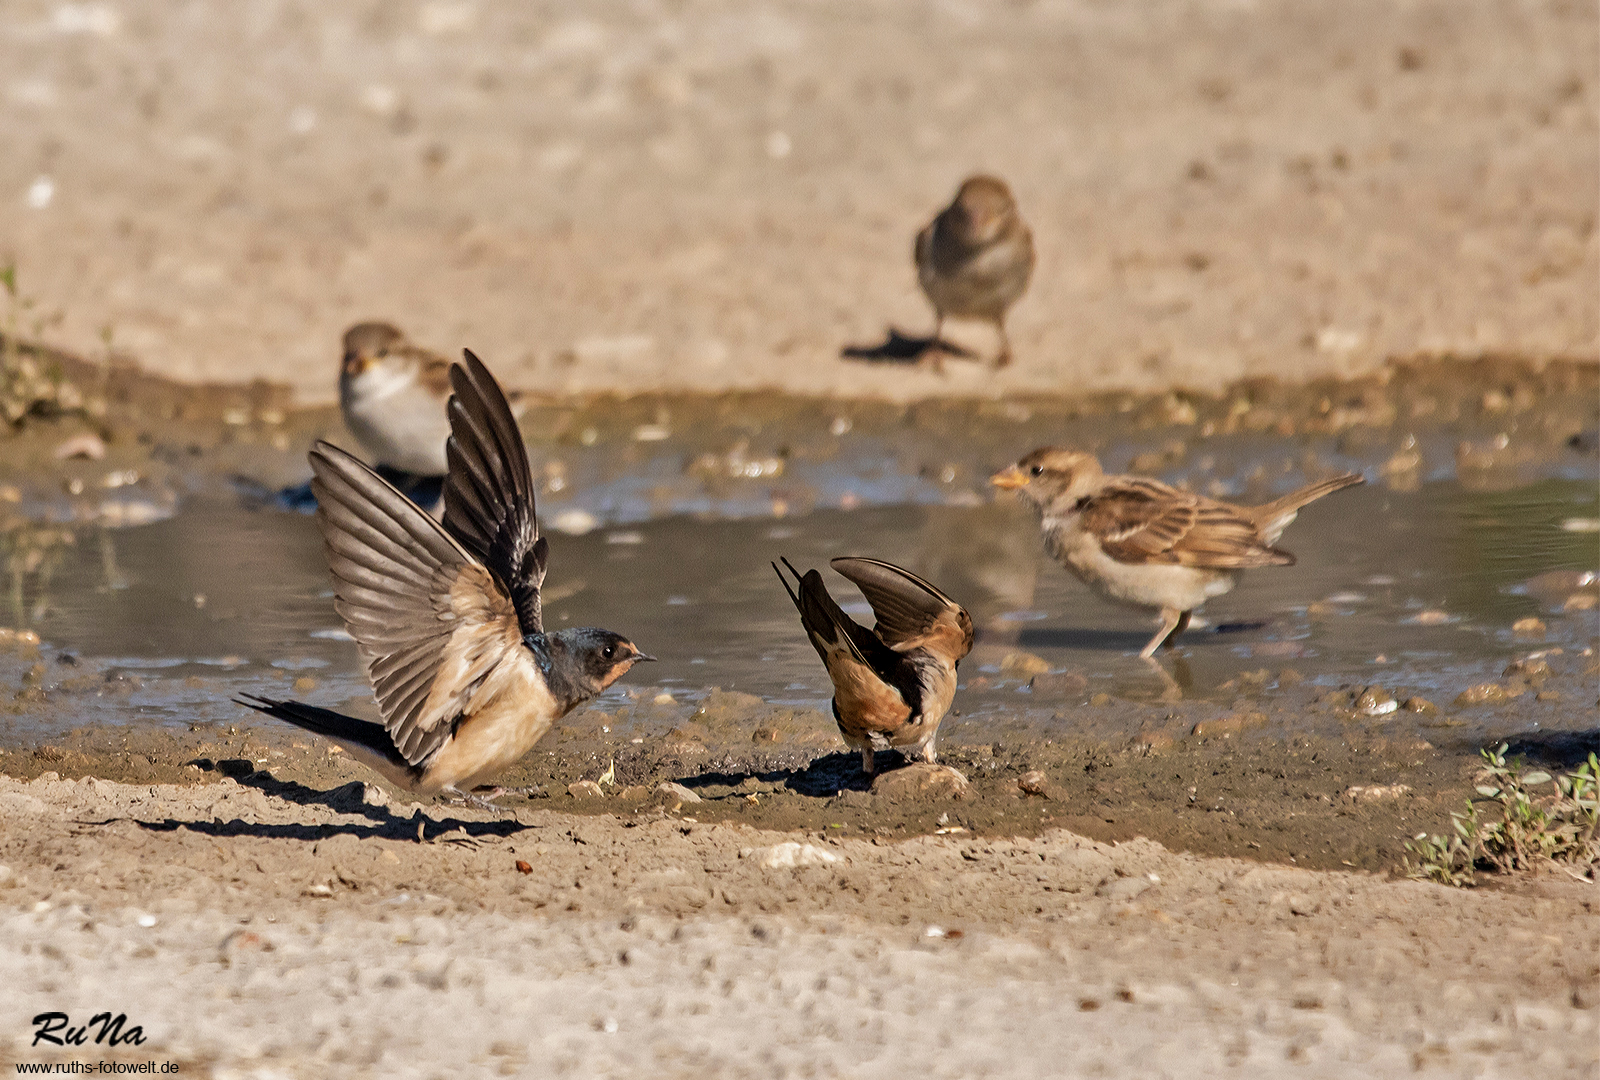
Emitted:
pixel 1005 344
pixel 935 351
pixel 1172 638
pixel 1171 689
pixel 1172 621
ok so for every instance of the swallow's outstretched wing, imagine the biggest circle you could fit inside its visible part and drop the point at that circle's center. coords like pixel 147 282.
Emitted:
pixel 488 496
pixel 434 627
pixel 912 613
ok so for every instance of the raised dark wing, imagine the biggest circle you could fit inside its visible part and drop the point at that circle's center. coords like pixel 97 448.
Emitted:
pixel 830 629
pixel 430 623
pixel 911 611
pixel 1145 521
pixel 488 494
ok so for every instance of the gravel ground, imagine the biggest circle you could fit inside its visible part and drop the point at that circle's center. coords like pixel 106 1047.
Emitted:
pixel 256 935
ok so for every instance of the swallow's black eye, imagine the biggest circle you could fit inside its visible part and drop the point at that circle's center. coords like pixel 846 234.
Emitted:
pixel 609 651
pixel 1037 470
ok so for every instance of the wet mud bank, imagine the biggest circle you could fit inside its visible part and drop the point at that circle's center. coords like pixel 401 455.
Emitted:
pixel 1266 750
pixel 1300 775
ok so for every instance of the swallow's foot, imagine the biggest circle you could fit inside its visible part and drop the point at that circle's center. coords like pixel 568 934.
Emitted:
pixel 494 791
pixel 477 802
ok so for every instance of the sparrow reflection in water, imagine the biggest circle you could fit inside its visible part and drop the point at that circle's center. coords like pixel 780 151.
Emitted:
pixel 1143 542
pixel 447 617
pixel 891 684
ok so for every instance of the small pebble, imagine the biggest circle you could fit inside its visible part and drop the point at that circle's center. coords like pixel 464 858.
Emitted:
pixel 1529 628
pixel 1421 705
pixel 1021 665
pixel 1430 617
pixel 1483 694
pixel 671 792
pixel 1034 783
pixel 87 446
pixel 585 789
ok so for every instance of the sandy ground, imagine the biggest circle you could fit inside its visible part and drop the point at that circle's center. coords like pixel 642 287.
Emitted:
pixel 251 934
pixel 720 194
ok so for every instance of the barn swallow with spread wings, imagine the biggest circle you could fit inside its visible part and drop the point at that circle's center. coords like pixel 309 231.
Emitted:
pixel 891 684
pixel 446 617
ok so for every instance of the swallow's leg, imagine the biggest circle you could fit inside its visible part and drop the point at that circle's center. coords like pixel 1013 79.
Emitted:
pixel 494 791
pixel 457 797
pixel 1172 623
pixel 927 754
pixel 869 760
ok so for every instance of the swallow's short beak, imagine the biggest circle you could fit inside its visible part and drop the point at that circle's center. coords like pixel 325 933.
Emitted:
pixel 639 656
pixel 1009 478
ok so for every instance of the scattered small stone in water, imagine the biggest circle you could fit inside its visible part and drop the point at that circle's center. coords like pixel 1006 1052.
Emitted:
pixel 1529 628
pixel 1488 693
pixel 1020 665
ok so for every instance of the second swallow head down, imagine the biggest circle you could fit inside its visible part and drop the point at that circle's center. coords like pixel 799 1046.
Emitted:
pixel 446 617
pixel 1146 543
pixel 892 684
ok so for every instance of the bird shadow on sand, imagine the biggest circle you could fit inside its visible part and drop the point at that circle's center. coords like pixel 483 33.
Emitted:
pixel 898 348
pixel 346 799
pixel 821 777
pixel 1563 750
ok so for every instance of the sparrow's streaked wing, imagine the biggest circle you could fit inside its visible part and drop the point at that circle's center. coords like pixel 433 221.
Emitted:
pixel 911 612
pixel 488 496
pixel 1145 521
pixel 430 623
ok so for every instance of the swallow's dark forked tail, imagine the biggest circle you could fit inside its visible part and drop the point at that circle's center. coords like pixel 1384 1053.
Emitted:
pixel 362 737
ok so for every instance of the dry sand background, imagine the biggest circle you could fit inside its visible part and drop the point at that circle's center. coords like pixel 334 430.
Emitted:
pixel 713 194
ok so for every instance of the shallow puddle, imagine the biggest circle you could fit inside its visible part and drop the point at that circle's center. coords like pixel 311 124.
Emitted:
pixel 1408 589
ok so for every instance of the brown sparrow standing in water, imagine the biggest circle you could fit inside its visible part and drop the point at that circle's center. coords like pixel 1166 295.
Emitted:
pixel 393 396
pixel 1143 542
pixel 891 684
pixel 446 617
pixel 974 260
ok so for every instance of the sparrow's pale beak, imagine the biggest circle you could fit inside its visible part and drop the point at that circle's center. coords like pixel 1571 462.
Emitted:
pixel 1009 478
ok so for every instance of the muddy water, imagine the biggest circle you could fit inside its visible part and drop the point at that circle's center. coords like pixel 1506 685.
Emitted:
pixel 1415 589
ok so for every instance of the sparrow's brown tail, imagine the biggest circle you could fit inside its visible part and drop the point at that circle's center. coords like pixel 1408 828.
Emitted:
pixel 1271 519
